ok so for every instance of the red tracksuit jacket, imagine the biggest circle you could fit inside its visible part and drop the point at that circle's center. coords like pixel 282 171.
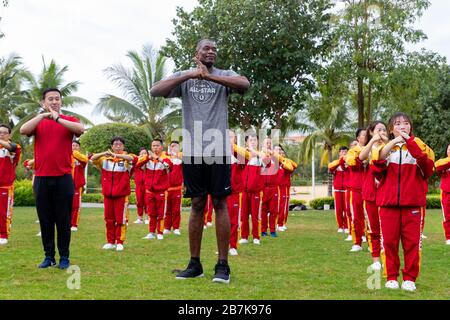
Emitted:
pixel 254 166
pixel 337 168
pixel 356 168
pixel 403 175
pixel 8 164
pixel 115 176
pixel 238 169
pixel 443 170
pixel 79 162
pixel 176 174
pixel 157 173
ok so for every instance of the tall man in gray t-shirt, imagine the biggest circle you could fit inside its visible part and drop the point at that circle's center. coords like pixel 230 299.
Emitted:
pixel 206 168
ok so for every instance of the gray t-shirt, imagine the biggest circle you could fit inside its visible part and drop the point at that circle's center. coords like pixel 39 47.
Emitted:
pixel 205 115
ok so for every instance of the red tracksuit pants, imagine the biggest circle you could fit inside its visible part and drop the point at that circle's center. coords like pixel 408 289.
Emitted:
pixel 270 209
pixel 173 214
pixel 140 199
pixel 156 203
pixel 76 205
pixel 373 232
pixel 348 211
pixel 234 203
pixel 357 209
pixel 252 207
pixel 6 211
pixel 401 224
pixel 283 209
pixel 339 208
pixel 116 217
pixel 445 199
pixel 208 210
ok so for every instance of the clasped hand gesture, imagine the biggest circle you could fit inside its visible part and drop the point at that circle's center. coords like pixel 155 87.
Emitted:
pixel 403 137
pixel 201 72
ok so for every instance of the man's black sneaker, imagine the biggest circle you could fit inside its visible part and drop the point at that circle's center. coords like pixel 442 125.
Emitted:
pixel 48 262
pixel 222 272
pixel 193 270
pixel 64 263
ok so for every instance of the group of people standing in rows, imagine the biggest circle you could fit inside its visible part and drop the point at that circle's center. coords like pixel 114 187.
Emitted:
pixel 380 188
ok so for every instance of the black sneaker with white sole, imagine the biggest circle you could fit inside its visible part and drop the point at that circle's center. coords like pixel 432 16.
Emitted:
pixel 193 270
pixel 222 272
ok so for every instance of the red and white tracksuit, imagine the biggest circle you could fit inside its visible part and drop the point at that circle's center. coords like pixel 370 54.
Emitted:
pixel 254 196
pixel 337 168
pixel 357 174
pixel 401 197
pixel 207 212
pixel 371 211
pixel 79 162
pixel 271 200
pixel 443 170
pixel 139 181
pixel 235 200
pixel 348 211
pixel 173 214
pixel 116 190
pixel 284 176
pixel 8 165
pixel 156 186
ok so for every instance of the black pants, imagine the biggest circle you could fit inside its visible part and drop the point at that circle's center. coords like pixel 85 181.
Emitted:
pixel 54 196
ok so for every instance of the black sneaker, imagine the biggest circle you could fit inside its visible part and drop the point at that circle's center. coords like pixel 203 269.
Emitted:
pixel 222 272
pixel 48 262
pixel 193 270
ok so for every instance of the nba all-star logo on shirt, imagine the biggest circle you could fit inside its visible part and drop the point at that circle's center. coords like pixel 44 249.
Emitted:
pixel 202 91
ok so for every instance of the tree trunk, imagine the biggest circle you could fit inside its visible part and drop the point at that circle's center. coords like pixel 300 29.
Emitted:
pixel 360 102
pixel 369 104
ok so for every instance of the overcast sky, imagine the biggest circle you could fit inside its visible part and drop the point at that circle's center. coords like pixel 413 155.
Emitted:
pixel 91 35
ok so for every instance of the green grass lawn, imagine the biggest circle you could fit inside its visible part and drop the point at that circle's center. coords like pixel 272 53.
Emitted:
pixel 309 261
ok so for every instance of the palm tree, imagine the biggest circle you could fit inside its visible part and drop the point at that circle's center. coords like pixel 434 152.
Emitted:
pixel 51 76
pixel 12 75
pixel 158 116
pixel 328 121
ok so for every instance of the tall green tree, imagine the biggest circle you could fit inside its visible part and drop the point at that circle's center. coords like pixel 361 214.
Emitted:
pixel 276 44
pixel 51 76
pixel 158 116
pixel 369 40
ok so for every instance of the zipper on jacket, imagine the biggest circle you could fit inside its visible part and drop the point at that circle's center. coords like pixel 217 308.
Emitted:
pixel 399 176
pixel 112 178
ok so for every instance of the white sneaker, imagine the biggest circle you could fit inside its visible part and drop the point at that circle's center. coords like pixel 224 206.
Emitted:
pixel 346 231
pixel 177 232
pixel 392 284
pixel 149 236
pixel 204 228
pixel 376 266
pixel 39 234
pixel 349 238
pixel 355 248
pixel 364 239
pixel 282 228
pixel 408 286
pixel 146 221
pixel 119 247
pixel 160 237
pixel 243 241
pixel 73 229
pixel 447 242
pixel 37 221
pixel 139 221
pixel 166 231
pixel 109 246
pixel 3 241
pixel 340 230
pixel 256 241
pixel 233 252
pixel 209 224
pixel 424 236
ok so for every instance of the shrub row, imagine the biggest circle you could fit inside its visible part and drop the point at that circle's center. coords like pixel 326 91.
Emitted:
pixel 433 202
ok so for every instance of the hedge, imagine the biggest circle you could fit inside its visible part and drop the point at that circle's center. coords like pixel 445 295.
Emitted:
pixel 23 194
pixel 319 203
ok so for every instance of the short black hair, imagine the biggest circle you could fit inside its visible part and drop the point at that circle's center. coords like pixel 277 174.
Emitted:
pixel 158 139
pixel 251 135
pixel 50 90
pixel 77 141
pixel 117 138
pixel 343 148
pixel 2 125
pixel 174 141
pixel 280 146
pixel 200 43
pixel 142 148
pixel 358 131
